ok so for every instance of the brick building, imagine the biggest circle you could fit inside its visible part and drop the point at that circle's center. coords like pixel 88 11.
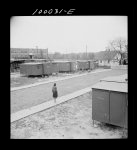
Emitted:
pixel 24 53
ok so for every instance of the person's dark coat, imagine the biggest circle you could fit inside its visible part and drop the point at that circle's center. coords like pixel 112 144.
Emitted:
pixel 54 91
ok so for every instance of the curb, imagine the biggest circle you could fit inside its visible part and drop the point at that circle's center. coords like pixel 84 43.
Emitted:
pixel 35 109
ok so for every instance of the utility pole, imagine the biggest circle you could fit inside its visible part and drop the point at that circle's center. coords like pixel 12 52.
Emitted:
pixel 37 52
pixel 86 52
pixel 41 53
pixel 47 54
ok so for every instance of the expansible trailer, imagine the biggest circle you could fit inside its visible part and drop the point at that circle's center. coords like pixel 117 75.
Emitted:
pixel 67 66
pixel 64 66
pixel 15 64
pixel 110 101
pixel 50 68
pixel 32 69
pixel 91 64
pixel 83 65
pixel 73 66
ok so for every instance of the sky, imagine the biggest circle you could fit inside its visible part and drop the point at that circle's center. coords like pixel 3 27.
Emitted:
pixel 66 34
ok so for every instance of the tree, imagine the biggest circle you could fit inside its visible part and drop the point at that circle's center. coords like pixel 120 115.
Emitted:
pixel 56 55
pixel 91 56
pixel 120 45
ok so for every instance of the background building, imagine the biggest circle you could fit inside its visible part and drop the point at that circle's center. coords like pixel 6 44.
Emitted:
pixel 24 53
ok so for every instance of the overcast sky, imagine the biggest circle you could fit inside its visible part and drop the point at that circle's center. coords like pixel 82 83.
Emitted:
pixel 66 33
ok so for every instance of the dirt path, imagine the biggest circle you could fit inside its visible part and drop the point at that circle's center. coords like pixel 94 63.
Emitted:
pixel 29 97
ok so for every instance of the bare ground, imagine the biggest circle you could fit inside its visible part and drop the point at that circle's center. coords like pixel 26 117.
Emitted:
pixel 18 80
pixel 69 120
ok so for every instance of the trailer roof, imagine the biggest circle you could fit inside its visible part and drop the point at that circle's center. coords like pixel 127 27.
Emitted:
pixel 12 59
pixel 83 60
pixel 32 63
pixel 111 86
pixel 59 61
pixel 120 78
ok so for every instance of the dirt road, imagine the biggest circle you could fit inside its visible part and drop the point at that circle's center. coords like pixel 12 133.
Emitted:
pixel 29 97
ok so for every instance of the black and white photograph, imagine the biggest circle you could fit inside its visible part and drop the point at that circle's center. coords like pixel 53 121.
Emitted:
pixel 69 77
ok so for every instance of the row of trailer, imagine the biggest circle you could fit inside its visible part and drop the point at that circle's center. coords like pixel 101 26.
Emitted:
pixel 16 63
pixel 48 68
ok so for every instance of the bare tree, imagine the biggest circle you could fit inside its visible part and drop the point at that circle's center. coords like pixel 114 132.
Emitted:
pixel 120 45
pixel 57 55
pixel 91 56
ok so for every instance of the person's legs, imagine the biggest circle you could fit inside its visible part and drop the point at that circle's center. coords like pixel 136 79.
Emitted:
pixel 54 99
